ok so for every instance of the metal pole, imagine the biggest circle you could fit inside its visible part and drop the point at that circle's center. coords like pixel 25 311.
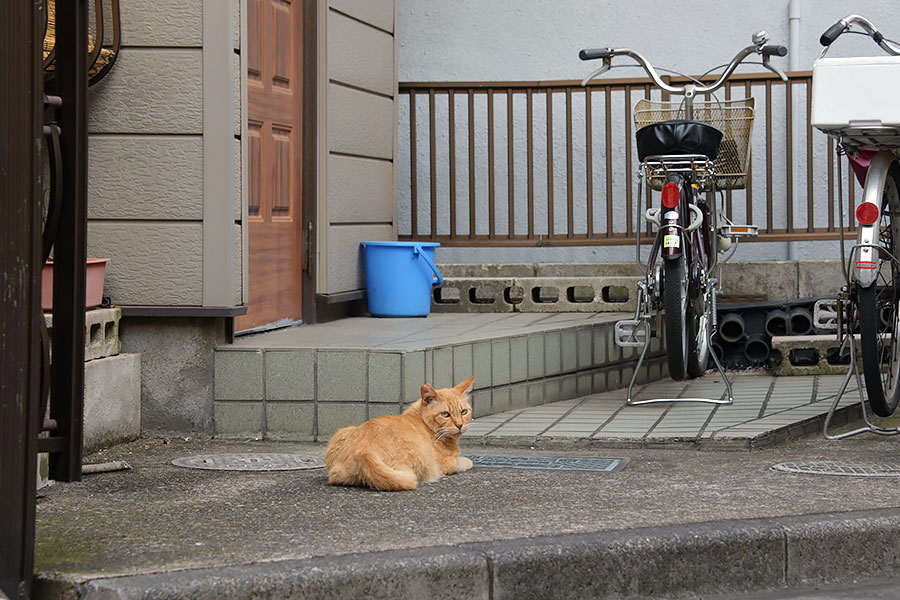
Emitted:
pixel 67 369
pixel 21 110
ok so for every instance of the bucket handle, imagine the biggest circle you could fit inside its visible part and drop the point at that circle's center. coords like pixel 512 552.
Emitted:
pixel 417 251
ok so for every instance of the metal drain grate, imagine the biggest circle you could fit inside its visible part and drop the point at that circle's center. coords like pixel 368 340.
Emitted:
pixel 550 463
pixel 250 462
pixel 837 467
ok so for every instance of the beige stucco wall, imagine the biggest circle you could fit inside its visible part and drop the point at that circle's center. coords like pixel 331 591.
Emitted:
pixel 357 120
pixel 164 196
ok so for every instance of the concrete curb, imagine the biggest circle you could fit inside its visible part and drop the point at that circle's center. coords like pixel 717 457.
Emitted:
pixel 716 557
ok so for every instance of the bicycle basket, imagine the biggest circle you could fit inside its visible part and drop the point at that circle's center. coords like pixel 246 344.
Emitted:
pixel 734 118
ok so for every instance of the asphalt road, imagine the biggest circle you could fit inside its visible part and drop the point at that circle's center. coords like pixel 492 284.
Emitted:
pixel 159 517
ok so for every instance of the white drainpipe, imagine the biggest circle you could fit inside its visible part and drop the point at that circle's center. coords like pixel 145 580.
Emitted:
pixel 794 9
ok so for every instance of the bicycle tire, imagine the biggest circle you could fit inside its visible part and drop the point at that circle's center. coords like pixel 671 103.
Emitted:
pixel 879 334
pixel 676 314
pixel 698 346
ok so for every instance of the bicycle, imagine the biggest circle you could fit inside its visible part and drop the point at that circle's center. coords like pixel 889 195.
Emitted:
pixel 853 101
pixel 688 150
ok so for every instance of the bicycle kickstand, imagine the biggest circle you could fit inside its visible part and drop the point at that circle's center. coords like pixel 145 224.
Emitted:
pixel 853 370
pixel 710 331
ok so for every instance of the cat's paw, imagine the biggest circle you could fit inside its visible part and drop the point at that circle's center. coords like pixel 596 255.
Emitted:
pixel 464 464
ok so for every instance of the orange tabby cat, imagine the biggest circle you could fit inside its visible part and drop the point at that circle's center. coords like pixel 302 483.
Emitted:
pixel 397 452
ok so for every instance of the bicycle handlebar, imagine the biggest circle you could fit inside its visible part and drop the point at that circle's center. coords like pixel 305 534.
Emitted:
pixel 689 90
pixel 595 53
pixel 845 24
pixel 832 33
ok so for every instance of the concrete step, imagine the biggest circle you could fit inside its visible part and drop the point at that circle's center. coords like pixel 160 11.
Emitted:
pixel 305 383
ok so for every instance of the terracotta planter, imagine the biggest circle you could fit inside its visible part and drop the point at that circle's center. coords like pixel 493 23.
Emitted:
pixel 94 276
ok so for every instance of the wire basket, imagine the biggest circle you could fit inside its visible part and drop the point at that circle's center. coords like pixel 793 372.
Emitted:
pixel 734 118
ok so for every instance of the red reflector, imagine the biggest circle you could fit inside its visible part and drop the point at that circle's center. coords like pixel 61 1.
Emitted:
pixel 866 264
pixel 670 195
pixel 867 213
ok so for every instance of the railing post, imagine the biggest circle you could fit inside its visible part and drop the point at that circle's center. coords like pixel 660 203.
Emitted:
pixel 21 114
pixel 67 369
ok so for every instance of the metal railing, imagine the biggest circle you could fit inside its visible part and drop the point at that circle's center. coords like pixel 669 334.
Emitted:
pixel 481 164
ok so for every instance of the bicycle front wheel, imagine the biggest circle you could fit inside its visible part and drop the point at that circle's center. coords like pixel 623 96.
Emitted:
pixel 877 307
pixel 675 295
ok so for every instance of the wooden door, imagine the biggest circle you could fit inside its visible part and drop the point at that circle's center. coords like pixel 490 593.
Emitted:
pixel 275 140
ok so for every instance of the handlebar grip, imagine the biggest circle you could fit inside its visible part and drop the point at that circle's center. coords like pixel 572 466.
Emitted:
pixel 832 33
pixel 595 53
pixel 774 50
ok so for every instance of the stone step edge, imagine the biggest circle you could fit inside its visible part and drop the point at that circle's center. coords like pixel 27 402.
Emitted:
pixel 749 555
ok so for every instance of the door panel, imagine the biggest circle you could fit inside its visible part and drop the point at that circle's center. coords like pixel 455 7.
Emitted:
pixel 274 92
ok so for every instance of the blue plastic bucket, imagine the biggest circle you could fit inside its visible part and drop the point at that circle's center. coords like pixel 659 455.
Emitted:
pixel 399 278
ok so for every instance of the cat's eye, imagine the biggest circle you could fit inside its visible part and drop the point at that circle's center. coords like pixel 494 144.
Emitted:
pixel 445 414
pixel 464 411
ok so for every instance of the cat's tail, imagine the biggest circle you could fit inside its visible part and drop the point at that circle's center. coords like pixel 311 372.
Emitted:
pixel 384 477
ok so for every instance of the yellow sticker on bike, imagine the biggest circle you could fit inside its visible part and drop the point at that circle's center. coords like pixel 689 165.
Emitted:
pixel 671 241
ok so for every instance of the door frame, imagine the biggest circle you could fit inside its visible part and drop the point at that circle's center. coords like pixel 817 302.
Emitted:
pixel 309 163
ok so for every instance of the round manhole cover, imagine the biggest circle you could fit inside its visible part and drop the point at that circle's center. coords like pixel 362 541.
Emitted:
pixel 250 462
pixel 837 467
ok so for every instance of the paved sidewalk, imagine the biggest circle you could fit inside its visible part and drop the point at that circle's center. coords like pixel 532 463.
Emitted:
pixel 766 410
pixel 675 522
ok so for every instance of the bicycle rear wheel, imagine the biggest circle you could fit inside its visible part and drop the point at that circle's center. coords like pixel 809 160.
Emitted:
pixel 698 331
pixel 675 303
pixel 879 321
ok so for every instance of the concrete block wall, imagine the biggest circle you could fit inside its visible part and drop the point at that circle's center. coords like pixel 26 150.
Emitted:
pixel 527 287
pixel 307 394
pixel 112 381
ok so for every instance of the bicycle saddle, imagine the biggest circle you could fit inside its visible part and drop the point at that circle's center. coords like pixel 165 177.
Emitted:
pixel 678 137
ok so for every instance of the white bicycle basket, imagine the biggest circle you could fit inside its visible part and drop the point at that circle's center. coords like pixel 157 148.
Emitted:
pixel 858 99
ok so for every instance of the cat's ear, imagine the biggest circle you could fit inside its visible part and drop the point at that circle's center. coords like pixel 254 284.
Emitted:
pixel 428 394
pixel 463 386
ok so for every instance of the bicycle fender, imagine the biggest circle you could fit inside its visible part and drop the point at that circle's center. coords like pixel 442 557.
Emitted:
pixel 864 267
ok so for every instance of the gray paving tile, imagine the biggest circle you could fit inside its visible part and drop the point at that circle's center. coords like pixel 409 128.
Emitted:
pixel 384 377
pixel 518 352
pixel 481 403
pixel 569 350
pixel 413 375
pixel 600 333
pixel 238 419
pixel 482 364
pixel 290 374
pixel 552 353
pixel 585 351
pixel 535 356
pixel 518 396
pixel 291 421
pixel 501 400
pixel 341 376
pixel 443 367
pixel 238 375
pixel 333 416
pixel 499 361
pixel 462 363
